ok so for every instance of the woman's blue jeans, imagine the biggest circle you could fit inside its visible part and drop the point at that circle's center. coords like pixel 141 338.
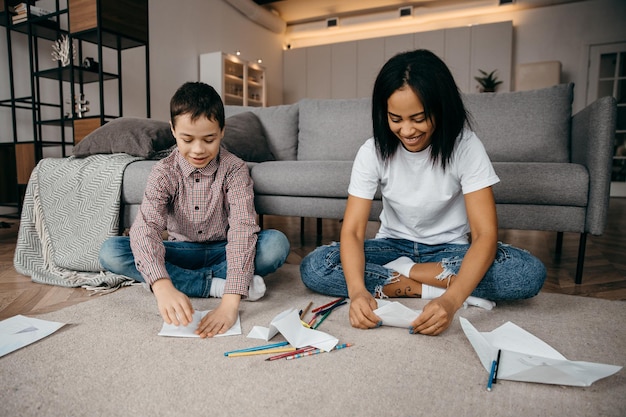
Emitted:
pixel 514 274
pixel 193 265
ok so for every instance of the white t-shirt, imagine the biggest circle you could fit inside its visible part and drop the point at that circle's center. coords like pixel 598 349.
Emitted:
pixel 421 202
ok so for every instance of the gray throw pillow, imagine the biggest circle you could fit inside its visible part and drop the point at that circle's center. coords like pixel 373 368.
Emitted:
pixel 245 137
pixel 134 136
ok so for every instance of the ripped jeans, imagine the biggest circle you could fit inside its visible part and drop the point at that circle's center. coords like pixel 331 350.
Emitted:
pixel 515 273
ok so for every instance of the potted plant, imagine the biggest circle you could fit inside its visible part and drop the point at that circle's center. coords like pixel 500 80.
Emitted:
pixel 488 81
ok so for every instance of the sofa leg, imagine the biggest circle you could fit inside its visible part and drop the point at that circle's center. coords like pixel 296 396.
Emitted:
pixel 319 231
pixel 581 258
pixel 559 244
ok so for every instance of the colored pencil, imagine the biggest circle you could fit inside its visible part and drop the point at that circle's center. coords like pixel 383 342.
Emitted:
pixel 322 319
pixel 334 306
pixel 306 310
pixel 295 352
pixel 494 364
pixel 316 351
pixel 338 300
pixel 262 352
pixel 495 375
pixel 251 349
pixel 303 354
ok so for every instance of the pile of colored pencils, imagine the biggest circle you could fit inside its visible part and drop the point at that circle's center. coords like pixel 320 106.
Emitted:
pixel 282 349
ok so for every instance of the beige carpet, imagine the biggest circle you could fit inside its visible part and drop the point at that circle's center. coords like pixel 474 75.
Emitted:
pixel 109 361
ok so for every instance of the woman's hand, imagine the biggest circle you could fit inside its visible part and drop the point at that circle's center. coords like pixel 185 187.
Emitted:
pixel 436 316
pixel 174 306
pixel 362 306
pixel 221 319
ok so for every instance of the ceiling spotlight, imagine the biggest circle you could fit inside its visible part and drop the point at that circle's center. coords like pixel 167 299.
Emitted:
pixel 332 22
pixel 405 11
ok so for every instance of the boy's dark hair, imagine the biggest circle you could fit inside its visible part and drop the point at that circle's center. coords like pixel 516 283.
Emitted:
pixel 431 80
pixel 197 99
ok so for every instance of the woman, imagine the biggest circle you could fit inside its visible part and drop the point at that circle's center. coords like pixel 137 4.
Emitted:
pixel 438 234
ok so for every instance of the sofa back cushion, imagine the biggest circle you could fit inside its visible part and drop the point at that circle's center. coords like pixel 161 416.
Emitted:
pixel 524 126
pixel 333 129
pixel 280 124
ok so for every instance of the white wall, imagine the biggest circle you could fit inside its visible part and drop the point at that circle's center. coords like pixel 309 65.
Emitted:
pixel 564 33
pixel 182 30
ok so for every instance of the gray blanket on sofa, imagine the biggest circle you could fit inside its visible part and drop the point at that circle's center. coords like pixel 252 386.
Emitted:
pixel 70 207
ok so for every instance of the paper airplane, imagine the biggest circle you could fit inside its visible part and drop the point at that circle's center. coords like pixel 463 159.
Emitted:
pixel 394 314
pixel 19 331
pixel 524 357
pixel 189 330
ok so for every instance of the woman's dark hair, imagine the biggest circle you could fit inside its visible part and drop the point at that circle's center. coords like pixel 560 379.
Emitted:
pixel 431 80
pixel 197 99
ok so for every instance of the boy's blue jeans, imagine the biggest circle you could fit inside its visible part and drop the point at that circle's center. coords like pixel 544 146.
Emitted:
pixel 514 274
pixel 192 265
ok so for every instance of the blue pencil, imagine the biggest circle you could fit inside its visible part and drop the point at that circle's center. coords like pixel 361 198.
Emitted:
pixel 334 306
pixel 252 349
pixel 494 365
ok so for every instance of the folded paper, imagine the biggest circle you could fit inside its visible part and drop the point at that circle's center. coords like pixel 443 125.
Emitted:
pixel 19 331
pixel 524 357
pixel 394 314
pixel 189 330
pixel 289 325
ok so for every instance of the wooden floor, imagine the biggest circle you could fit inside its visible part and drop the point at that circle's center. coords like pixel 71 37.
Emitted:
pixel 604 274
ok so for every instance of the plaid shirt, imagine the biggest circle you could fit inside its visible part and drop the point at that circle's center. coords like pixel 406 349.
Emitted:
pixel 215 203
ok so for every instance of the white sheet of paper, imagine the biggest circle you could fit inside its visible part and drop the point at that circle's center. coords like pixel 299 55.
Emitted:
pixel 395 314
pixel 288 324
pixel 525 357
pixel 19 331
pixel 188 331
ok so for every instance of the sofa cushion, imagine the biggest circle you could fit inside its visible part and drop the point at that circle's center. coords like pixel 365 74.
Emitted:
pixel 134 136
pixel 333 129
pixel 280 124
pixel 302 178
pixel 324 179
pixel 524 126
pixel 245 137
pixel 541 184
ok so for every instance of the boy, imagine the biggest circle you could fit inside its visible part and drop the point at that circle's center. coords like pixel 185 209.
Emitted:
pixel 202 196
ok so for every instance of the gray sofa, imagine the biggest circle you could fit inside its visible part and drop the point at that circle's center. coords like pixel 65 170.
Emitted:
pixel 554 167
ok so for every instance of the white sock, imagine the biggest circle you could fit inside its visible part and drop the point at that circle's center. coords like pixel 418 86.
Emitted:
pixel 217 287
pixel 429 292
pixel 402 265
pixel 257 288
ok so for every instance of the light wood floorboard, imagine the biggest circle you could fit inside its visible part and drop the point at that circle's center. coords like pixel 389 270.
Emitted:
pixel 604 274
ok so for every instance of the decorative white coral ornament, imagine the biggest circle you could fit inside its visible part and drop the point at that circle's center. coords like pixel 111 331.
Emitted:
pixel 63 50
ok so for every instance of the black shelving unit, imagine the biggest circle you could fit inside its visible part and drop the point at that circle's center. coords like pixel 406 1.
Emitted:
pixel 100 23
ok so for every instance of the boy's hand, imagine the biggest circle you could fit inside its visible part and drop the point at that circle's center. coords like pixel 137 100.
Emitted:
pixel 174 306
pixel 221 319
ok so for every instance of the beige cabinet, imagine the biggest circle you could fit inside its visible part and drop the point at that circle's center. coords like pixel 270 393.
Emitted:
pixel 348 69
pixel 237 81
